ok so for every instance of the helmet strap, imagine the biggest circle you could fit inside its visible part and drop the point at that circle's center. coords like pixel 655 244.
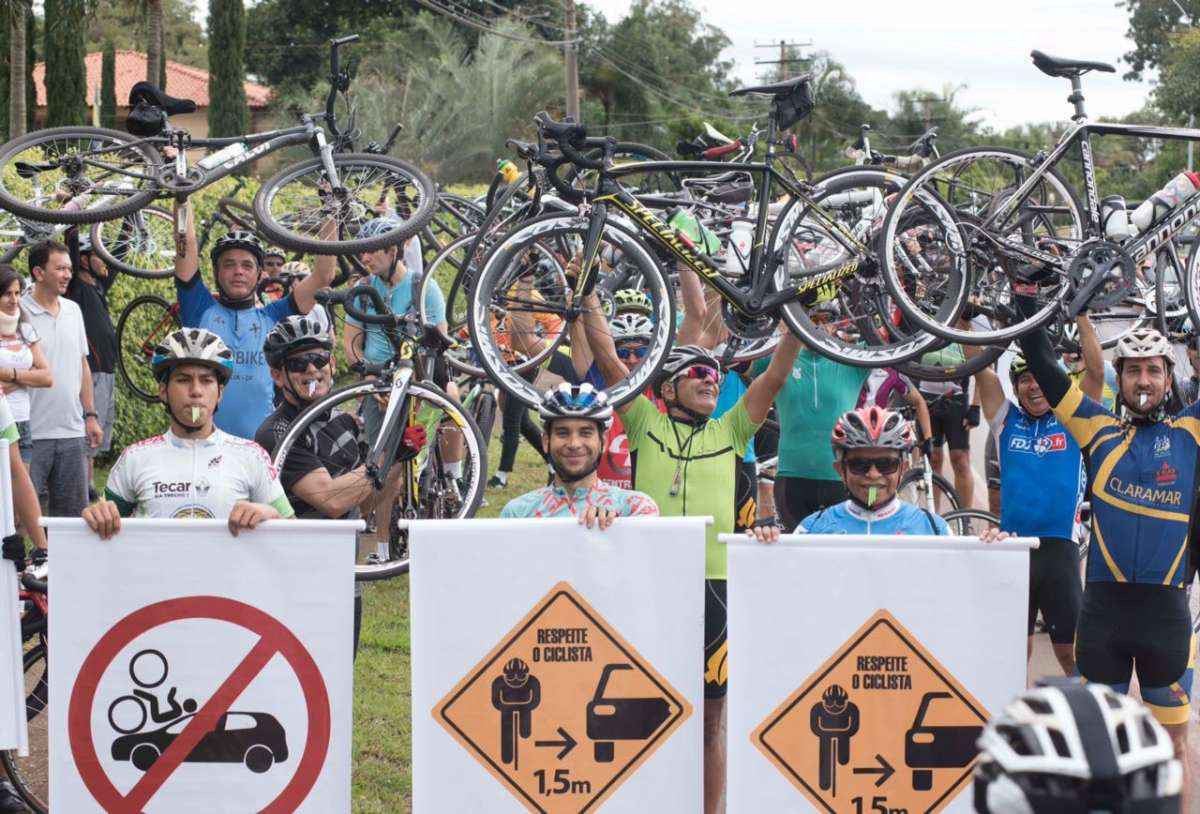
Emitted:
pixel 694 418
pixel 176 423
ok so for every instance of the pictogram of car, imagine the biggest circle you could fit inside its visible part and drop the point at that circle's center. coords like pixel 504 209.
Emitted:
pixel 621 719
pixel 937 747
pixel 254 738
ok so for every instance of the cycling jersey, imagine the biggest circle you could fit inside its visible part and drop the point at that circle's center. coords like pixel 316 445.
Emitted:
pixel 896 517
pixel 553 501
pixel 400 298
pixel 249 396
pixel 689 468
pixel 1041 473
pixel 1108 396
pixel 172 477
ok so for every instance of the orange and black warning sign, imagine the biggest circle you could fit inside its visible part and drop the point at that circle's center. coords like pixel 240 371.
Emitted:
pixel 880 726
pixel 563 709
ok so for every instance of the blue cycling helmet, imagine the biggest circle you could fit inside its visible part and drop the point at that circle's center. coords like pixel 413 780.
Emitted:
pixel 192 346
pixel 576 401
pixel 378 226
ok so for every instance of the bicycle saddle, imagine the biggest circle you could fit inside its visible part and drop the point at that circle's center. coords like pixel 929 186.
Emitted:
pixel 1067 68
pixel 145 92
pixel 778 89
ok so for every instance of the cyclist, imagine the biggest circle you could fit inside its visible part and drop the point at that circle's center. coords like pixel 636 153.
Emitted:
pixel 237 260
pixel 1135 609
pixel 686 461
pixel 1190 388
pixel 273 262
pixel 1086 366
pixel 953 413
pixel 194 469
pixel 1065 746
pixel 575 417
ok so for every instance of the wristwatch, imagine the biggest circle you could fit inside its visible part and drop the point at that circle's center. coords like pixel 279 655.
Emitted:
pixel 90 414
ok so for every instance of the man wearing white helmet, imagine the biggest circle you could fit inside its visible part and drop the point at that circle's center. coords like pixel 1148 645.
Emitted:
pixel 1135 612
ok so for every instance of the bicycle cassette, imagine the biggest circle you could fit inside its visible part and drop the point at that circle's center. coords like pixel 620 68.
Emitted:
pixel 1111 261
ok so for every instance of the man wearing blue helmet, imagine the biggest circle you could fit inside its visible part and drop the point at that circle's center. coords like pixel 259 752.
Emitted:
pixel 194 469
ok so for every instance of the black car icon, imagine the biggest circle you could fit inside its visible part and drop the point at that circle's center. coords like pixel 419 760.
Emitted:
pixel 254 738
pixel 937 747
pixel 621 719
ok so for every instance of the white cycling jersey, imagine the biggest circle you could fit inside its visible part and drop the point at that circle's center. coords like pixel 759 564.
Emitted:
pixel 173 477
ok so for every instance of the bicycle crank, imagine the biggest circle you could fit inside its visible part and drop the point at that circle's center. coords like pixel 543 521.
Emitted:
pixel 747 327
pixel 1102 274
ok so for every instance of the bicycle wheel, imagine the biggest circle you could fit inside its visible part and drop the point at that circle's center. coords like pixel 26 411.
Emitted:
pixel 970 522
pixel 439 496
pixel 516 302
pixel 77 175
pixel 913 490
pixel 626 153
pixel 237 214
pixel 455 217
pixel 293 205
pixel 975 183
pixel 484 411
pixel 859 323
pixel 144 323
pixel 927 368
pixel 141 244
pixel 30 775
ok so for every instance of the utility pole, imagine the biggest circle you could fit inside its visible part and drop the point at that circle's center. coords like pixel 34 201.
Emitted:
pixel 571 61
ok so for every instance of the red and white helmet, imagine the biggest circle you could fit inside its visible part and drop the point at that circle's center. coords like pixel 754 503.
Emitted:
pixel 872 428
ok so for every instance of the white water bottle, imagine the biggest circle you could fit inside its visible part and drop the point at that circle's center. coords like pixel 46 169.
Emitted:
pixel 1114 217
pixel 1182 187
pixel 235 150
pixel 737 250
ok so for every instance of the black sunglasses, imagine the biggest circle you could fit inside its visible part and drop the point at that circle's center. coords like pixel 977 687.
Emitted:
pixel 299 364
pixel 861 466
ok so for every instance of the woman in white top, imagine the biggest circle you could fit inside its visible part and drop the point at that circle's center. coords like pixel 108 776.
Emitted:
pixel 22 362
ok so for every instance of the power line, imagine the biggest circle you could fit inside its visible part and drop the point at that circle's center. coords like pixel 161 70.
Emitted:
pixel 484 27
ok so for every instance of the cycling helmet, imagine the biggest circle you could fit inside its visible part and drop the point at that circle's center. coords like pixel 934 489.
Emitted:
pixel 1067 747
pixel 631 299
pixel 295 333
pixel 1068 342
pixel 1017 367
pixel 516 672
pixel 296 268
pixel 192 346
pixel 576 401
pixel 631 326
pixel 377 227
pixel 237 239
pixel 1143 343
pixel 272 251
pixel 681 357
pixel 85 241
pixel 871 428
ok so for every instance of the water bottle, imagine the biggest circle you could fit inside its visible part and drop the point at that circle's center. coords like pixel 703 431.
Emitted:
pixel 235 150
pixel 1182 187
pixel 849 198
pixel 737 250
pixel 1114 217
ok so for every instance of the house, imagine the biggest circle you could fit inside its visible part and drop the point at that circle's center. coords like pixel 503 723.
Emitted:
pixel 182 80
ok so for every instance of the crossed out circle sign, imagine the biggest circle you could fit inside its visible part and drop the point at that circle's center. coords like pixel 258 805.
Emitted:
pixel 273 638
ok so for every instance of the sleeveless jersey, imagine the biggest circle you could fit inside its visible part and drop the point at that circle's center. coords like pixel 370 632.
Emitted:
pixel 1041 473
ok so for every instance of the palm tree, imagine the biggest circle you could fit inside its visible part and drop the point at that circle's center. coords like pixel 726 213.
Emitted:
pixel 154 47
pixel 16 68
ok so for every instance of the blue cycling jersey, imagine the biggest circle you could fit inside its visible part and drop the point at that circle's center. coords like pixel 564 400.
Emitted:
pixel 401 299
pixel 897 517
pixel 250 395
pixel 1041 473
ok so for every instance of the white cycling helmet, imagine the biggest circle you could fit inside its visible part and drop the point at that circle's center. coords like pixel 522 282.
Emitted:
pixel 1067 747
pixel 192 346
pixel 631 325
pixel 1143 343
pixel 576 401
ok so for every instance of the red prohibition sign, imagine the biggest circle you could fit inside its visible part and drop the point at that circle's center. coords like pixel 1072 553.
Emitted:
pixel 274 638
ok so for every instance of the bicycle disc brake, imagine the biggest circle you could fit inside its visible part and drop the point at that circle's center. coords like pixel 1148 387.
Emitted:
pixel 1116 270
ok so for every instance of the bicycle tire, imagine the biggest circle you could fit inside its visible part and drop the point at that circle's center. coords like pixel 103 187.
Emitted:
pixel 126 323
pixel 110 258
pixel 558 228
pixel 624 153
pixel 280 235
pixel 34 791
pixel 485 415
pixel 916 477
pixel 964 516
pixel 125 206
pixel 238 213
pixel 475 447
pixel 915 369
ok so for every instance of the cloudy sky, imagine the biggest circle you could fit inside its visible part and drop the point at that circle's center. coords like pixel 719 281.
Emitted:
pixel 891 46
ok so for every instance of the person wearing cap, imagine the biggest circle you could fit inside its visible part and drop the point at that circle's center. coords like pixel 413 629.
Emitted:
pixel 232 314
pixel 212 474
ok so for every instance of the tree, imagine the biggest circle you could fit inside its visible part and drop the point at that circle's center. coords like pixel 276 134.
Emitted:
pixel 125 24
pixel 108 86
pixel 31 39
pixel 1177 92
pixel 66 77
pixel 227 112
pixel 154 42
pixel 1151 23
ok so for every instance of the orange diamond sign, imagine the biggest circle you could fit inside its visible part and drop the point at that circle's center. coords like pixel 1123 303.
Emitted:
pixel 563 710
pixel 880 726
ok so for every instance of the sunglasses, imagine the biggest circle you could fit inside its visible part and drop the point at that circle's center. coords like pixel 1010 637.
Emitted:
pixel 861 466
pixel 702 372
pixel 299 364
pixel 636 351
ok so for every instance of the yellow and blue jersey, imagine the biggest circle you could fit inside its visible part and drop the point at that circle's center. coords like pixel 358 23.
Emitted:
pixel 1142 481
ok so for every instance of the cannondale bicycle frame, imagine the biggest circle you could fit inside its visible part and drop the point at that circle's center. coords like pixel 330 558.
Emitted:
pixel 757 299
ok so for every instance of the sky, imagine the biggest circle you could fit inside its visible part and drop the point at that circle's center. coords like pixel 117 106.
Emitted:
pixel 892 46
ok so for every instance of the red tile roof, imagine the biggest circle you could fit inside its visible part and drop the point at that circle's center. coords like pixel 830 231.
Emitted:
pixel 182 80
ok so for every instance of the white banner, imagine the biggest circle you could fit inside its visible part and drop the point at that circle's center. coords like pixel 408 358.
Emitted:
pixel 14 734
pixel 861 669
pixel 557 669
pixel 200 672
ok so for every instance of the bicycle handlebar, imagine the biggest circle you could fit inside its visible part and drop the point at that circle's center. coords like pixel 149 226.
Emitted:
pixel 349 301
pixel 34 584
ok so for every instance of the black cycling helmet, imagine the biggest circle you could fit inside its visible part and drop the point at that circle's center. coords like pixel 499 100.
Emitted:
pixel 237 239
pixel 296 333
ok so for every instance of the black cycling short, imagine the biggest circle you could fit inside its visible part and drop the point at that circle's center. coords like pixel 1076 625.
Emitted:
pixel 716 645
pixel 1124 626
pixel 946 417
pixel 1054 588
pixel 797 498
pixel 745 503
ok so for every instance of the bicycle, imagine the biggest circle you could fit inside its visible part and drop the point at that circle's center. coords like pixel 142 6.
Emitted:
pixel 787 279
pixel 115 174
pixel 970 522
pixel 405 384
pixel 30 775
